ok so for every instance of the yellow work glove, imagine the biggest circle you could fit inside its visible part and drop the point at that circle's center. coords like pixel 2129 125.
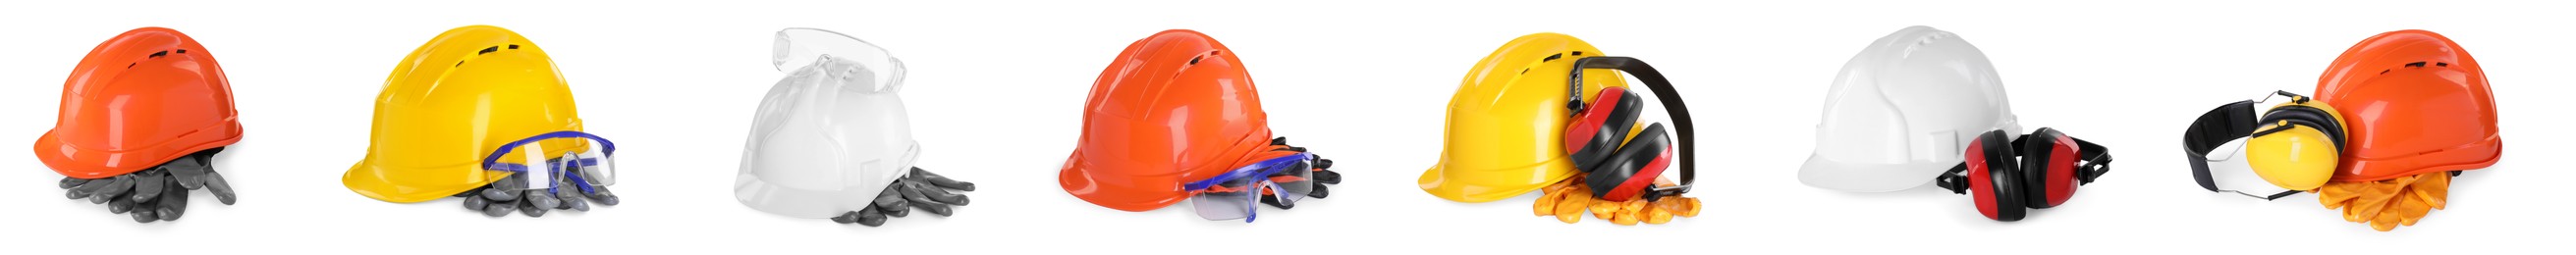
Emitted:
pixel 1569 200
pixel 2386 204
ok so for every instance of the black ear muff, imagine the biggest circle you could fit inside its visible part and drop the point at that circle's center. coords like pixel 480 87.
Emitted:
pixel 1599 127
pixel 1634 167
pixel 2003 177
pixel 2313 117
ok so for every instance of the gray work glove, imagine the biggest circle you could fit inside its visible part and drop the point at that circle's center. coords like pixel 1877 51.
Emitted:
pixel 918 189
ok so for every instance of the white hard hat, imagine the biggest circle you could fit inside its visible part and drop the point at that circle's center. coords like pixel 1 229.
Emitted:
pixel 1903 111
pixel 832 135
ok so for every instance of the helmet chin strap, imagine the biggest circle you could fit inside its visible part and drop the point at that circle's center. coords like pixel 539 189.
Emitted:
pixel 1664 93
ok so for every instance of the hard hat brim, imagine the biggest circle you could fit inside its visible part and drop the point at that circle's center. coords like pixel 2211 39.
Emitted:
pixel 1831 174
pixel 1432 182
pixel 1078 182
pixel 76 162
pixel 800 203
pixel 362 179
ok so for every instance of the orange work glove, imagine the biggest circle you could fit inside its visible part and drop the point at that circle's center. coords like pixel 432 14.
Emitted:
pixel 1569 200
pixel 2386 204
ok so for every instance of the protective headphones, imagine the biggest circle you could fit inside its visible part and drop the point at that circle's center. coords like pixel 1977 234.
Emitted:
pixel 1619 167
pixel 2283 147
pixel 2037 170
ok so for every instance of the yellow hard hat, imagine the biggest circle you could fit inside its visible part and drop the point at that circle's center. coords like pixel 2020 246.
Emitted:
pixel 2298 145
pixel 1507 117
pixel 450 104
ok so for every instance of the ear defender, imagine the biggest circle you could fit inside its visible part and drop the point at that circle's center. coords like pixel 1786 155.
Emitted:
pixel 2034 171
pixel 2297 145
pixel 1600 127
pixel 1617 165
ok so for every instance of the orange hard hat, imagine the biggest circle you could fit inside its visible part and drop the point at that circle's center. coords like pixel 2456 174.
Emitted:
pixel 1172 108
pixel 2414 103
pixel 146 97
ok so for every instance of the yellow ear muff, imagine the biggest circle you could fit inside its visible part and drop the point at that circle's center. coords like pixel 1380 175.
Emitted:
pixel 2298 145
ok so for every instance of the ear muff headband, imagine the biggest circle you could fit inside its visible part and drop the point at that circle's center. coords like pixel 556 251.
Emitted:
pixel 1664 92
pixel 2226 123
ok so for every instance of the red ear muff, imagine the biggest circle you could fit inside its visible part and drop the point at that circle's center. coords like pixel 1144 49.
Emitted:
pixel 1992 169
pixel 1633 169
pixel 1599 127
pixel 1618 168
pixel 2039 170
pixel 2048 167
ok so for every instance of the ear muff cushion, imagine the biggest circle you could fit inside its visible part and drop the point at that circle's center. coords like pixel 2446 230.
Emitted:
pixel 1634 167
pixel 2310 116
pixel 1598 129
pixel 1993 173
pixel 2037 177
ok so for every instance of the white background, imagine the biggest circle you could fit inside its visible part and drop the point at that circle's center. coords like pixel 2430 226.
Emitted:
pixel 995 89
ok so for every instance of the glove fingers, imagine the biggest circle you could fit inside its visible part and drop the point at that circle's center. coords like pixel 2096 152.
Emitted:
pixel 145 212
pixel 565 195
pixel 69 182
pixel 941 181
pixel 190 171
pixel 1275 203
pixel 1630 212
pixel 938 194
pixel 2337 194
pixel 531 208
pixel 90 187
pixel 2374 199
pixel 118 186
pixel 500 208
pixel 2434 190
pixel 601 194
pixel 1682 206
pixel 1546 204
pixel 1657 215
pixel 542 199
pixel 174 201
pixel 576 203
pixel 924 203
pixel 147 184
pixel 1603 208
pixel 870 217
pixel 891 202
pixel 2386 221
pixel 2410 209
pixel 215 184
pixel 849 217
pixel 1326 176
pixel 476 202
pixel 1318 191
pixel 1570 208
pixel 120 205
pixel 498 194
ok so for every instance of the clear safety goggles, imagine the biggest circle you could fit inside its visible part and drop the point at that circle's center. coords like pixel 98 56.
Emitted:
pixel 571 158
pixel 1238 193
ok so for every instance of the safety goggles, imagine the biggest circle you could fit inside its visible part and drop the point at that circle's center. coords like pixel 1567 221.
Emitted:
pixel 572 158
pixel 1237 194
